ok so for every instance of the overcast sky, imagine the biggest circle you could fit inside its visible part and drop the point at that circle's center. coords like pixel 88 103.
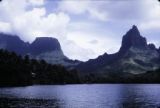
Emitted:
pixel 85 28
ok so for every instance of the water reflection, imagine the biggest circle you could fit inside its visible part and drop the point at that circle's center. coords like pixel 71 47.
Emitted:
pixel 83 96
pixel 28 103
pixel 140 96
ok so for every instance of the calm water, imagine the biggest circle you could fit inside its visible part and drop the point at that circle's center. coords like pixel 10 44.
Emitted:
pixel 82 96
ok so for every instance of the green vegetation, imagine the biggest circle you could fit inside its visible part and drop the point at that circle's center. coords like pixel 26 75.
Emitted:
pixel 145 78
pixel 18 71
pixel 21 71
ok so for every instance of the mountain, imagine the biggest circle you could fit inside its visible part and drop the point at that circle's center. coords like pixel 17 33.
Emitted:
pixel 134 57
pixel 46 48
pixel 158 50
pixel 49 49
pixel 13 43
pixel 133 39
pixel 44 44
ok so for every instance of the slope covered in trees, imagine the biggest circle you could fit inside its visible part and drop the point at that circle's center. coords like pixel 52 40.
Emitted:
pixel 21 71
pixel 17 70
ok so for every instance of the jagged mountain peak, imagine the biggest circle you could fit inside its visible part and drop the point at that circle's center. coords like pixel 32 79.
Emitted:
pixel 135 56
pixel 133 39
pixel 134 31
pixel 151 46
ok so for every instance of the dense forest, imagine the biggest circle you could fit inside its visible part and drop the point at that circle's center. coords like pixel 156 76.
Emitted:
pixel 148 77
pixel 16 70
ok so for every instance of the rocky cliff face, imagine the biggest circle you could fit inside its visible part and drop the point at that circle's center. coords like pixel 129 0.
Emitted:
pixel 138 57
pixel 133 39
pixel 49 49
pixel 44 44
pixel 134 57
pixel 158 50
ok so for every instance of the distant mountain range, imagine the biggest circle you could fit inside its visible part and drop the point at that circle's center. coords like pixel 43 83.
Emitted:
pixel 135 56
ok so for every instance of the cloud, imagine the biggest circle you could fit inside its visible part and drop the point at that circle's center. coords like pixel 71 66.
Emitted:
pixel 78 52
pixel 37 2
pixel 150 25
pixel 5 27
pixel 31 23
pixel 136 11
pixel 74 7
pixel 93 41
pixel 83 7
pixel 41 24
pixel 110 10
pixel 103 44
pixel 9 9
pixel 153 21
pixel 36 22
